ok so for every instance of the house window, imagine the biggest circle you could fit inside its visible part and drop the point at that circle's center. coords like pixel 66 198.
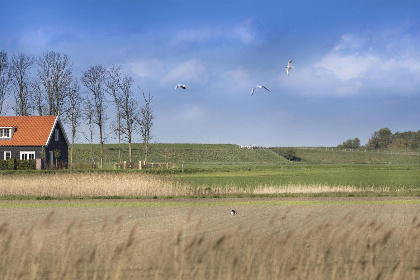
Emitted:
pixel 57 133
pixel 27 155
pixel 7 155
pixel 5 133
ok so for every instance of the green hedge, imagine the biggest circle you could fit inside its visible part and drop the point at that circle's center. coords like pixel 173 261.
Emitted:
pixel 15 164
pixel 4 165
pixel 25 164
pixel 11 164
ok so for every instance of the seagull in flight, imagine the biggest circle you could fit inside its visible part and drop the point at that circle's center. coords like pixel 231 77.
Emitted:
pixel 252 91
pixel 181 86
pixel 289 66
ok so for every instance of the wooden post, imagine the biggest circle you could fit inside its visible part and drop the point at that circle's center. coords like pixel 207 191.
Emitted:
pixel 38 164
pixel 125 164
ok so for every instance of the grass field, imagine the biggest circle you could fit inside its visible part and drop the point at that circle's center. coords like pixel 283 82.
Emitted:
pixel 309 180
pixel 198 155
pixel 333 215
pixel 177 154
pixel 362 177
pixel 349 156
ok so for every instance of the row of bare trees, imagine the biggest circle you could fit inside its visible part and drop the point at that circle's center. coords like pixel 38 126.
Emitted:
pixel 47 86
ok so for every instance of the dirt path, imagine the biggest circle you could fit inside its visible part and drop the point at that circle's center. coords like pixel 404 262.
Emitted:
pixel 212 219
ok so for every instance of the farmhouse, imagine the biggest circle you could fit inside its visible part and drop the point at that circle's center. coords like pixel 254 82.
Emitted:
pixel 40 138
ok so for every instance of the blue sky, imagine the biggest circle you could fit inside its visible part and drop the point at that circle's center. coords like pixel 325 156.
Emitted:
pixel 357 63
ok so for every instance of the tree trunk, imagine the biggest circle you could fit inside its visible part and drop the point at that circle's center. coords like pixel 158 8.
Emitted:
pixel 101 145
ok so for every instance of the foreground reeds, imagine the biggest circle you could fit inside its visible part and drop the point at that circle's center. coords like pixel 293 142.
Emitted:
pixel 346 248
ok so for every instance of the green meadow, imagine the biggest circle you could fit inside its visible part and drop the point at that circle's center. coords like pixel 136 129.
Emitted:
pixel 204 155
pixel 363 177
pixel 227 165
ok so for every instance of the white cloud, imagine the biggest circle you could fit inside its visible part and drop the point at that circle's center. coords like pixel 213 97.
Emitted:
pixel 349 66
pixel 192 70
pixel 37 38
pixel 147 68
pixel 199 35
pixel 246 31
pixel 349 42
pixel 362 64
pixel 240 76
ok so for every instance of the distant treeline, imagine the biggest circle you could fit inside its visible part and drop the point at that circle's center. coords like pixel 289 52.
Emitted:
pixel 384 138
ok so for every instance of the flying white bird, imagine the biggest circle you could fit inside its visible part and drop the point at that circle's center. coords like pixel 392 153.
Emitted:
pixel 233 212
pixel 181 86
pixel 252 91
pixel 289 66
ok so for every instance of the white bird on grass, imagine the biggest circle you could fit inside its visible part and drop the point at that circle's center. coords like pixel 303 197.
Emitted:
pixel 252 91
pixel 233 212
pixel 181 86
pixel 288 67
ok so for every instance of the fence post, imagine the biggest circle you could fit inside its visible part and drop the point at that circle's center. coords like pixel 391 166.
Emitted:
pixel 38 164
pixel 125 164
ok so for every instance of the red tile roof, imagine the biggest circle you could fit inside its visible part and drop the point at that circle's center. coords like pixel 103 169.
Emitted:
pixel 31 130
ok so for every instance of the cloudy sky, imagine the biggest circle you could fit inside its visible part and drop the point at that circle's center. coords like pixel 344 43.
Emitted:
pixel 357 63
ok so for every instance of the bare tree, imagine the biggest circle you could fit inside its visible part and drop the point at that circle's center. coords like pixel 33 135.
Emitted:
pixel 20 66
pixel 74 114
pixel 113 83
pixel 5 78
pixel 38 99
pixel 88 116
pixel 55 76
pixel 129 107
pixel 94 80
pixel 145 122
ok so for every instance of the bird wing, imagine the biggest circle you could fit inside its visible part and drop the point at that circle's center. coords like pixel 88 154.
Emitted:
pixel 266 88
pixel 290 61
pixel 252 91
pixel 181 86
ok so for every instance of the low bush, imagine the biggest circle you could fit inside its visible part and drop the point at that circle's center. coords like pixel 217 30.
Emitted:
pixel 14 164
pixel 25 164
pixel 11 164
pixel 4 164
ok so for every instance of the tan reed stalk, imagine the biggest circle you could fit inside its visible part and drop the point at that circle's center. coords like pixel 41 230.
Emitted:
pixel 343 248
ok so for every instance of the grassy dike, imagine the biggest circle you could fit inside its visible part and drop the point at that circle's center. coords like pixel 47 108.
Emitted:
pixel 208 155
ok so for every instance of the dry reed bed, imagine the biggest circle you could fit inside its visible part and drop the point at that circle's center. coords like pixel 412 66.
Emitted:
pixel 89 185
pixel 138 184
pixel 336 249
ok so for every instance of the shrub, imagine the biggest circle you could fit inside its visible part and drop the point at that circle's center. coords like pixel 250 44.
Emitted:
pixel 4 164
pixel 25 164
pixel 289 153
pixel 11 164
pixel 350 144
